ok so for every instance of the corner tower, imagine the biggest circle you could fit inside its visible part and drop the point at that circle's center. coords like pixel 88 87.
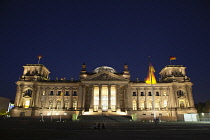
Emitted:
pixel 172 73
pixel 35 72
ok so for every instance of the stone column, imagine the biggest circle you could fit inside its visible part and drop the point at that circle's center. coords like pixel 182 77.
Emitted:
pixel 109 98
pixel 145 102
pixel 62 98
pixel 91 90
pixel 100 106
pixel 138 100
pixel 70 98
pixel 83 97
pixel 18 96
pixel 190 96
pixel 47 97
pixel 118 98
pixel 172 98
pixel 54 98
pixel 33 98
pixel 37 101
pixel 176 98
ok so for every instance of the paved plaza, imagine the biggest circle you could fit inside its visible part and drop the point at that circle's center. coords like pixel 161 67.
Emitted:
pixel 36 130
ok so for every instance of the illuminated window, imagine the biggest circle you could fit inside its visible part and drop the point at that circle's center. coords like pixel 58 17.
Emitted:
pixel 27 103
pixel 104 98
pixel 142 104
pixel 181 104
pixel 96 98
pixel 58 104
pixel 164 93
pixel 134 105
pixel 165 103
pixel 50 104
pixel 74 104
pixel 113 98
pixel 150 104
pixel 157 105
pixel 43 93
pixel 66 105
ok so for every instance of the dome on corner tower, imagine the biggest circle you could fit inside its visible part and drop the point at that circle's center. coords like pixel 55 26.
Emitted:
pixel 104 68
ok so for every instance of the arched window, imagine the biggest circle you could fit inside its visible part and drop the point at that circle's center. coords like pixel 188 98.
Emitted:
pixel 75 104
pixel 180 93
pixel 28 92
pixel 50 104
pixel 58 106
pixel 66 105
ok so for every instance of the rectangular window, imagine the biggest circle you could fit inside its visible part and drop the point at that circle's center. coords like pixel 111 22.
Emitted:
pixel 27 103
pixel 74 93
pixel 157 94
pixel 142 93
pixel 149 94
pixel 134 93
pixel 134 105
pixel 59 93
pixel 51 93
pixel 67 93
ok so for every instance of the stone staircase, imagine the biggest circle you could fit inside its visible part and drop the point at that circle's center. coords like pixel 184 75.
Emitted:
pixel 103 118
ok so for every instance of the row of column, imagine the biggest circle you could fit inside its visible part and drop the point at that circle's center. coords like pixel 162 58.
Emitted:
pixel 109 87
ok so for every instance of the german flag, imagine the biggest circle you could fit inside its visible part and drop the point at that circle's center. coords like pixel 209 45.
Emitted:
pixel 172 58
pixel 39 56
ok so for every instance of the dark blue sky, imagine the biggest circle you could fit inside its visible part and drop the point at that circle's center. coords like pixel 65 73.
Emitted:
pixel 111 33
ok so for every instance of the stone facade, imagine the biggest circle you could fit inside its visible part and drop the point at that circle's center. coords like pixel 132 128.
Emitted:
pixel 103 91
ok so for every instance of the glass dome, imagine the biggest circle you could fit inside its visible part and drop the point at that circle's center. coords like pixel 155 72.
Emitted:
pixel 105 68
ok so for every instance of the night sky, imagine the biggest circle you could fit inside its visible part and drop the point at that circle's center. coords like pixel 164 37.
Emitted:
pixel 105 33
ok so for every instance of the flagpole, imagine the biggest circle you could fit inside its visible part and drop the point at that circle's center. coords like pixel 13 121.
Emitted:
pixel 39 57
pixel 153 97
pixel 38 60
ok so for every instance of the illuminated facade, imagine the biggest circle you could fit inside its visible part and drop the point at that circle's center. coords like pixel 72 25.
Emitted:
pixel 103 91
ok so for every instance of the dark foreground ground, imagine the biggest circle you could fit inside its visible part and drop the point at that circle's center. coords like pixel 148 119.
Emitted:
pixel 35 130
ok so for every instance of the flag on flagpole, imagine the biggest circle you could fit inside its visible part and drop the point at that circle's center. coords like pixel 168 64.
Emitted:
pixel 151 76
pixel 172 58
pixel 39 57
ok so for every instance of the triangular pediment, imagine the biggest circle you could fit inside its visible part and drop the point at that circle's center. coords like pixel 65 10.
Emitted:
pixel 105 76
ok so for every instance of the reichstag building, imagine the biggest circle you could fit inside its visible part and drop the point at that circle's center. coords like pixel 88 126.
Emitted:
pixel 104 91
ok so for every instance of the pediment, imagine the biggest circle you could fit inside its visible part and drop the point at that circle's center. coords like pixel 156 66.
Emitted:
pixel 105 76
